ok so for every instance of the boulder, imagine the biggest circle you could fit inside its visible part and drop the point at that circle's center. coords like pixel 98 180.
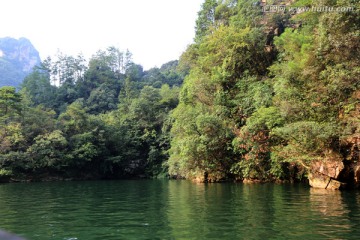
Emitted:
pixel 325 174
pixel 325 182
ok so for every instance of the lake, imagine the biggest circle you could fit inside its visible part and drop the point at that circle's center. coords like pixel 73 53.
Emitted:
pixel 161 209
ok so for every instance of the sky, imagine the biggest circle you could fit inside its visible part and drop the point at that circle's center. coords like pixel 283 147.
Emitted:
pixel 154 31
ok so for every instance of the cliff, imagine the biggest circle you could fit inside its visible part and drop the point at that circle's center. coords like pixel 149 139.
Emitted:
pixel 17 59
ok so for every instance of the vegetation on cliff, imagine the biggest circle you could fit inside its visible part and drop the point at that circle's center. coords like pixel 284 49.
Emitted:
pixel 266 96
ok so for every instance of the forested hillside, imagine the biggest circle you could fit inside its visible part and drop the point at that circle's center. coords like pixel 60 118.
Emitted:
pixel 267 95
pixel 270 95
pixel 104 119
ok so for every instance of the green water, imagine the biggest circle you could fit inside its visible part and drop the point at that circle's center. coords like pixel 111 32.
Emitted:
pixel 154 209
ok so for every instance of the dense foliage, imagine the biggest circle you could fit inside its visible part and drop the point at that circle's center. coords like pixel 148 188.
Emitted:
pixel 104 119
pixel 268 93
pixel 265 94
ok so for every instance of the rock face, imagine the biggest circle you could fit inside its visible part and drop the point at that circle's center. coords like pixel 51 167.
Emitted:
pixel 357 175
pixel 334 174
pixel 17 59
pixel 324 182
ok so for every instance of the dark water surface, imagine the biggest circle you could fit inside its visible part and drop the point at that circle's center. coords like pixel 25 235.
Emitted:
pixel 155 209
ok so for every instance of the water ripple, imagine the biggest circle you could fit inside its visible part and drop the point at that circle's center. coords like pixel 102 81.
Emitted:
pixel 176 210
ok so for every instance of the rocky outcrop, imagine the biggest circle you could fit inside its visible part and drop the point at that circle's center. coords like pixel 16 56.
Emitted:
pixel 334 174
pixel 326 173
pixel 17 59
pixel 325 182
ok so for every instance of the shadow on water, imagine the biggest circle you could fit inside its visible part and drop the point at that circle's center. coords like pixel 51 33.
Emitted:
pixel 158 209
pixel 9 236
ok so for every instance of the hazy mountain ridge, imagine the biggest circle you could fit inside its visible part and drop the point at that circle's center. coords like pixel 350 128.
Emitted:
pixel 17 59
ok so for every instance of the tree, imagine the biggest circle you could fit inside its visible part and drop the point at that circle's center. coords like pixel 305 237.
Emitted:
pixel 102 99
pixel 10 103
pixel 48 152
pixel 10 111
pixel 206 19
pixel 67 69
pixel 37 86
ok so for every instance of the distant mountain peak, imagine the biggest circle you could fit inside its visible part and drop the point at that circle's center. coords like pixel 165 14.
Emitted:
pixel 17 59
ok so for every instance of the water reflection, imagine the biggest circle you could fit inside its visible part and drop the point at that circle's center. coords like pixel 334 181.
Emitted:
pixel 177 210
pixel 327 202
pixel 268 211
pixel 84 210
pixel 331 213
pixel 232 211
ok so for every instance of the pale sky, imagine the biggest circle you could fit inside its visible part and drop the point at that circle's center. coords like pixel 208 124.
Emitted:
pixel 155 31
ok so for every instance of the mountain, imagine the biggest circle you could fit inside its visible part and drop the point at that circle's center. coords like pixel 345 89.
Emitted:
pixel 17 59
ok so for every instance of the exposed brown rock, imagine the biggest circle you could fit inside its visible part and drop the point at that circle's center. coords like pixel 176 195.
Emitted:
pixel 324 182
pixel 331 168
pixel 325 174
pixel 357 175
